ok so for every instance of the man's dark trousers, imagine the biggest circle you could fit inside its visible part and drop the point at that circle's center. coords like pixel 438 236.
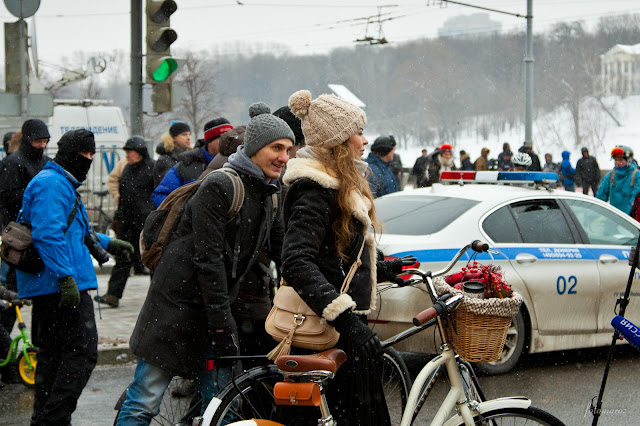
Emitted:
pixel 68 343
pixel 122 268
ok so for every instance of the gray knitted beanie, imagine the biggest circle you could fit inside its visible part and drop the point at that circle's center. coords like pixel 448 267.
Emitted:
pixel 327 121
pixel 264 128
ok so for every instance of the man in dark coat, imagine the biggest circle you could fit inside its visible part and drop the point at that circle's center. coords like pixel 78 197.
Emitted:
pixel 535 166
pixel 465 161
pixel 192 163
pixel 179 141
pixel 381 179
pixel 135 187
pixel 419 169
pixel 187 316
pixel 588 172
pixel 16 172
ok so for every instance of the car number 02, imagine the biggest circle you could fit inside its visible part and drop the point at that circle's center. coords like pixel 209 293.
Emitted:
pixel 562 283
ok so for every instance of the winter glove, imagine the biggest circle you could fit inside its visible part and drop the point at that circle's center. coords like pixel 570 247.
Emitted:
pixel 388 270
pixel 6 294
pixel 362 338
pixel 120 248
pixel 69 294
pixel 224 344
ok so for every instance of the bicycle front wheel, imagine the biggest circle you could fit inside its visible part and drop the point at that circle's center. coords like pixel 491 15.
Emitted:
pixel 516 416
pixel 396 383
pixel 28 373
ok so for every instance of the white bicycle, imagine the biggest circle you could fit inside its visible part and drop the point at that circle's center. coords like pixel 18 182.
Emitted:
pixel 300 381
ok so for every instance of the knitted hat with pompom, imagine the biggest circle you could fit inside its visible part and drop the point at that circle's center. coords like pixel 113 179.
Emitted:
pixel 264 128
pixel 328 120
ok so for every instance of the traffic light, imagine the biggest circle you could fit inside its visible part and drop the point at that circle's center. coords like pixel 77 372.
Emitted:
pixel 159 63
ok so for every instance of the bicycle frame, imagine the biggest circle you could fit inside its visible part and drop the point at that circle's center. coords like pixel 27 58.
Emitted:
pixel 12 355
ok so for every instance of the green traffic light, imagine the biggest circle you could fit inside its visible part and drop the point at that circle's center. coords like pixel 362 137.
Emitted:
pixel 165 69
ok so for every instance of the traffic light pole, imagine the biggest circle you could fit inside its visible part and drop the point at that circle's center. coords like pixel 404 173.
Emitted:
pixel 136 67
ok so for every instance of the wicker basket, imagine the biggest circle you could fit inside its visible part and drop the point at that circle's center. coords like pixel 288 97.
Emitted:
pixel 477 338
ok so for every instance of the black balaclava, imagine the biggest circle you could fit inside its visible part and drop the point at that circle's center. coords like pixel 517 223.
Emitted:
pixel 33 129
pixel 70 144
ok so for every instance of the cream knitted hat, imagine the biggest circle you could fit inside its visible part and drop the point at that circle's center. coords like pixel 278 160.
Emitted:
pixel 328 120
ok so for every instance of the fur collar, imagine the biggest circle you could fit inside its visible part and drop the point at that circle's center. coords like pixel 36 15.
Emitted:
pixel 311 168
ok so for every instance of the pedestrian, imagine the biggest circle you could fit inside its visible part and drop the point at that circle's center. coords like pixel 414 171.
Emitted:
pixel 569 173
pixel 504 161
pixel 179 141
pixel 419 169
pixel 588 172
pixel 136 185
pixel 521 162
pixel 550 166
pixel 197 279
pixel 193 162
pixel 482 162
pixel 17 170
pixel 621 184
pixel 229 143
pixel 396 168
pixel 440 160
pixel 294 123
pixel 381 178
pixel 465 162
pixel 5 143
pixel 527 148
pixel 506 148
pixel 328 213
pixel 62 317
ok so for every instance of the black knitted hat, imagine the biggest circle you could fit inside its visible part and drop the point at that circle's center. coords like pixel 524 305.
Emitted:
pixel 383 145
pixel 78 140
pixel 293 122
pixel 178 128
pixel 34 129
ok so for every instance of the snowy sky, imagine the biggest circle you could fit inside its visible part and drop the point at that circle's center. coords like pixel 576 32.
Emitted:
pixel 309 26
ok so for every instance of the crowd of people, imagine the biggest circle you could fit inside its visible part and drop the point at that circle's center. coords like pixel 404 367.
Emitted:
pixel 307 207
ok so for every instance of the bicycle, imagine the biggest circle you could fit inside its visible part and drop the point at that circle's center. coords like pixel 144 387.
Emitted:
pixel 99 220
pixel 25 359
pixel 255 391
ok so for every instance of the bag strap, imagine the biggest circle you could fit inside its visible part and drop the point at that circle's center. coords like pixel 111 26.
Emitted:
pixel 352 271
pixel 73 212
pixel 633 177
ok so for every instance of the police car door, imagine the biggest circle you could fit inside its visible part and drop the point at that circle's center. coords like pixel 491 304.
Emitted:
pixel 543 248
pixel 609 234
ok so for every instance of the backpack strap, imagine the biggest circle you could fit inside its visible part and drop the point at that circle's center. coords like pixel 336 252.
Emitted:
pixel 633 177
pixel 612 182
pixel 72 215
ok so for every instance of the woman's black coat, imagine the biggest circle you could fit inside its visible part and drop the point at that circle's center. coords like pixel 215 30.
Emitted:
pixel 136 186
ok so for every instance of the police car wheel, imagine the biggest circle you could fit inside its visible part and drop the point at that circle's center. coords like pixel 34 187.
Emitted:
pixel 513 348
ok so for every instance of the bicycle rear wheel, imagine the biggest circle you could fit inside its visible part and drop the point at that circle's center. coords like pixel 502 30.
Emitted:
pixel 516 416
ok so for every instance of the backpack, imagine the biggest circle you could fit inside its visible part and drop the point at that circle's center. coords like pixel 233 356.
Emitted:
pixel 163 222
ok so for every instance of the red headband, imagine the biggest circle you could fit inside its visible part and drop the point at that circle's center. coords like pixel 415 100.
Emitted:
pixel 214 132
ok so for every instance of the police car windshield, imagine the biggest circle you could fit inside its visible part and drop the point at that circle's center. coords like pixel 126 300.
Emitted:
pixel 419 215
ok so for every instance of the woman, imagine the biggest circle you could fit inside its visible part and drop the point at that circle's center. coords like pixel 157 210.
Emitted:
pixel 328 212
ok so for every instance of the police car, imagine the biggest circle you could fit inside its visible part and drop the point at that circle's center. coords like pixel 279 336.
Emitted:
pixel 565 253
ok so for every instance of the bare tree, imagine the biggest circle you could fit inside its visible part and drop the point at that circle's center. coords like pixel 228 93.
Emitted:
pixel 200 100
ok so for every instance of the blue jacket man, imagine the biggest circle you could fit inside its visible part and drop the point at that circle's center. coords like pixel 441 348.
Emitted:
pixel 621 184
pixel 381 179
pixel 568 172
pixel 62 319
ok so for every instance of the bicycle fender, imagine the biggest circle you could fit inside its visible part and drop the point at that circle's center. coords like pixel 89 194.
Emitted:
pixel 209 412
pixel 494 404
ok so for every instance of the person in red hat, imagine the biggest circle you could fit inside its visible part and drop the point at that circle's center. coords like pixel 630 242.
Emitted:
pixel 439 161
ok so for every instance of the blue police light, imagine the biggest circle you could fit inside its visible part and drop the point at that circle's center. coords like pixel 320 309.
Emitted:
pixel 462 176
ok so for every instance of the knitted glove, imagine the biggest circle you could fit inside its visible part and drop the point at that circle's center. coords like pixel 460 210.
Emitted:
pixel 69 294
pixel 6 294
pixel 388 270
pixel 120 248
pixel 363 339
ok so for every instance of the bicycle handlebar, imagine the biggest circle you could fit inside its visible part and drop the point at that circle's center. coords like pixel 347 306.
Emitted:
pixel 446 303
pixel 4 304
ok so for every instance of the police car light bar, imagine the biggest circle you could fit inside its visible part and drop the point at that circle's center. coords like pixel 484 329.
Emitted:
pixel 463 176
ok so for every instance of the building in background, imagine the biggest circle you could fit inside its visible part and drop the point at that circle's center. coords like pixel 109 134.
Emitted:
pixel 469 26
pixel 620 70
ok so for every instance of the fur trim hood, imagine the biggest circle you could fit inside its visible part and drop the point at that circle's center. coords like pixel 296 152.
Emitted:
pixel 167 143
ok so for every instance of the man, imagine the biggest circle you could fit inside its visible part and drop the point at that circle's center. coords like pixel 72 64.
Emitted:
pixel 440 160
pixel 465 162
pixel 527 148
pixel 192 163
pixel 295 125
pixel 62 319
pixel 179 142
pixel 136 185
pixel 621 184
pixel 16 172
pixel 550 166
pixel 506 148
pixel 588 172
pixel 187 316
pixel 504 161
pixel 482 162
pixel 419 169
pixel 381 179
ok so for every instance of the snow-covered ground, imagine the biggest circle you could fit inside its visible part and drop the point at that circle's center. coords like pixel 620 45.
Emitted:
pixel 553 132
